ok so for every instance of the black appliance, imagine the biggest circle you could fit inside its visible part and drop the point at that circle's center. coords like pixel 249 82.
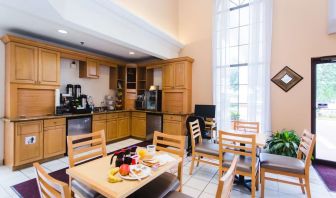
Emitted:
pixel 140 102
pixel 77 91
pixel 78 125
pixel 70 89
pixel 153 123
pixel 153 99
pixel 205 111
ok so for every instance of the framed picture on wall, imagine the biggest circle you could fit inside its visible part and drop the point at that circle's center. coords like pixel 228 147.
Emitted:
pixel 286 78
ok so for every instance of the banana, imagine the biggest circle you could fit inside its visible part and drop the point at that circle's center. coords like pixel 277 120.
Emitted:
pixel 114 179
pixel 111 177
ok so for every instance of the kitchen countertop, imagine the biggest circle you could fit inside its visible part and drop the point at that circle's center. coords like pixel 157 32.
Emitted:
pixel 21 119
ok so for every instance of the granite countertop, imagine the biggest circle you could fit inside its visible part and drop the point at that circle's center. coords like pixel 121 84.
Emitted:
pixel 45 117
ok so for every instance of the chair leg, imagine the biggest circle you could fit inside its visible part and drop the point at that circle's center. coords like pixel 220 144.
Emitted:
pixel 307 186
pixel 302 187
pixel 192 164
pixel 253 187
pixel 257 181
pixel 262 177
pixel 198 161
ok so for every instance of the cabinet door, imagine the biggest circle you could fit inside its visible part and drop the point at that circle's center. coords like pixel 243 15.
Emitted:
pixel 92 68
pixel 172 127
pixel 180 75
pixel 54 141
pixel 49 67
pixel 28 142
pixel 98 125
pixel 123 127
pixel 138 127
pixel 168 76
pixel 23 63
pixel 111 129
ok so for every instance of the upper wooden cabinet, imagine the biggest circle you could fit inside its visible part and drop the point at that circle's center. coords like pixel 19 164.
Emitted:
pixel 23 63
pixel 168 76
pixel 49 67
pixel 177 75
pixel 32 65
pixel 89 69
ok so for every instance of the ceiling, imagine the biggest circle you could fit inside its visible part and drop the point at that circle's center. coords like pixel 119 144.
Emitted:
pixel 16 20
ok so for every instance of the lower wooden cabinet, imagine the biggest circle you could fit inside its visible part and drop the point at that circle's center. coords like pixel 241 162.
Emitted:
pixel 111 129
pixel 98 125
pixel 123 125
pixel 54 141
pixel 174 124
pixel 28 142
pixel 138 126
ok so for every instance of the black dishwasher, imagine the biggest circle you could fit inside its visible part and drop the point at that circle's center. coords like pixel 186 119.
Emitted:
pixel 153 123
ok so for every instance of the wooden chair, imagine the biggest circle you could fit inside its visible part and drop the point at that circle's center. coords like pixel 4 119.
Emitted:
pixel 246 126
pixel 226 182
pixel 290 166
pixel 224 186
pixel 48 186
pixel 166 182
pixel 202 149
pixel 244 145
pixel 82 148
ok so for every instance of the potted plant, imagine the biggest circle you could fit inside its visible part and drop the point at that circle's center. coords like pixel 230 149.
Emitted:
pixel 285 142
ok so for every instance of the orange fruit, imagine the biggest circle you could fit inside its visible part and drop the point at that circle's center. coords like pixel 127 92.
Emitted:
pixel 142 153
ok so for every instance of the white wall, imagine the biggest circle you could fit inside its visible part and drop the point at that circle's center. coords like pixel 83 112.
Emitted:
pixel 2 98
pixel 97 88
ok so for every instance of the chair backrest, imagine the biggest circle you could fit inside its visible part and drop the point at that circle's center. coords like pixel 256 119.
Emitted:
pixel 84 147
pixel 306 148
pixel 48 186
pixel 169 143
pixel 237 144
pixel 195 133
pixel 226 181
pixel 246 126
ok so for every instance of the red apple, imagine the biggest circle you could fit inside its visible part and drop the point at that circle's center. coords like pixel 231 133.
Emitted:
pixel 124 169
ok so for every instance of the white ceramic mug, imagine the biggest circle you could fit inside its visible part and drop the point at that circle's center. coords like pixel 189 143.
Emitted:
pixel 151 149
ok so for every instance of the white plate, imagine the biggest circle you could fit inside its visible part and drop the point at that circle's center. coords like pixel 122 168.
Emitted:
pixel 146 171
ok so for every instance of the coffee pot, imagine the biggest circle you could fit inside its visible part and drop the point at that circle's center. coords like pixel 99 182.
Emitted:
pixel 120 158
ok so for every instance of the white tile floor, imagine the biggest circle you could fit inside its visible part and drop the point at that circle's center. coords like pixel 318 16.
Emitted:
pixel 203 182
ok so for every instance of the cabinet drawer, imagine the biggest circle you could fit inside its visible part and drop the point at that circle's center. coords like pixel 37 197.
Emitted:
pixel 172 117
pixel 23 128
pixel 54 122
pixel 111 116
pixel 123 114
pixel 139 114
pixel 99 117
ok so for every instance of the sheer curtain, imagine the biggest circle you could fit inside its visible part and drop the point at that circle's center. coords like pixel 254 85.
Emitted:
pixel 257 90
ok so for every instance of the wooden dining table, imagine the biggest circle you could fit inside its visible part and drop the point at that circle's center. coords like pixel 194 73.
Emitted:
pixel 94 175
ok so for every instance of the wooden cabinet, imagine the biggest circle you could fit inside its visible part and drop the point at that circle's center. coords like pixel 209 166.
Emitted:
pixel 99 123
pixel 111 129
pixel 54 137
pixel 49 67
pixel 168 76
pixel 138 126
pixel 32 65
pixel 89 69
pixel 28 142
pixel 123 123
pixel 23 61
pixel 174 124
pixel 176 101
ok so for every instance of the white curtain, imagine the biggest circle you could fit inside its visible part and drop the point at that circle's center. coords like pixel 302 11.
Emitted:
pixel 259 55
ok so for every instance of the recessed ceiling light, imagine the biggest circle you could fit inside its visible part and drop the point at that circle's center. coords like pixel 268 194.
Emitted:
pixel 131 53
pixel 62 31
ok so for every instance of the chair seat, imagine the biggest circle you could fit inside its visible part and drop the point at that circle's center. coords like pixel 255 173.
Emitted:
pixel 159 187
pixel 244 163
pixel 207 147
pixel 84 190
pixel 281 163
pixel 175 194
